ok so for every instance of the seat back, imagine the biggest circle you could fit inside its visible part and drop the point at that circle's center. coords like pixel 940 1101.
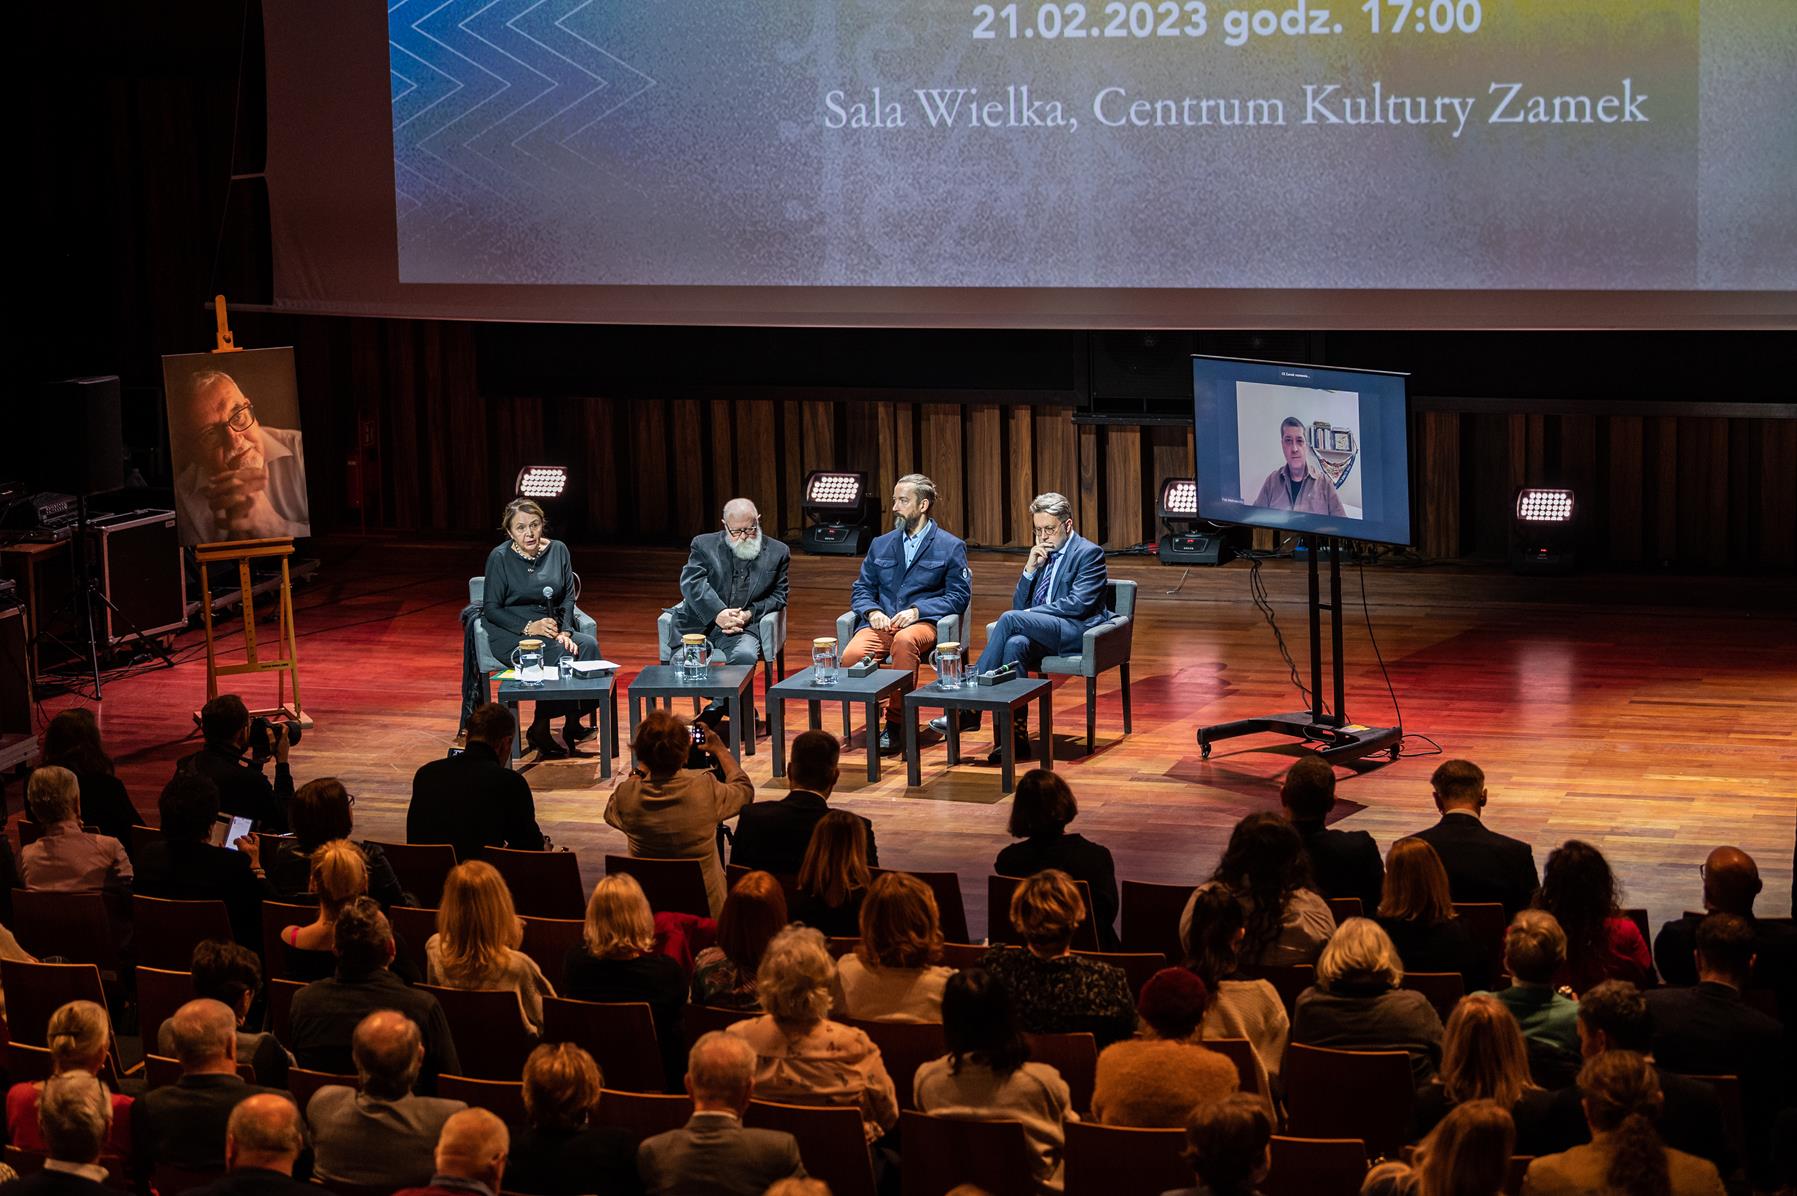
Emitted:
pixel 961 956
pixel 1734 1120
pixel 1112 1160
pixel 1315 1167
pixel 1519 1166
pixel 1287 979
pixel 953 628
pixel 544 884
pixel 832 1144
pixel 142 837
pixel 34 991
pixel 904 1047
pixel 491 1040
pixel 1486 922
pixel 1150 917
pixel 304 1084
pixel 159 993
pixel 76 926
pixel 950 908
pixel 1240 1052
pixel 28 1064
pixel 548 941
pixel 998 914
pixel 1638 916
pixel 1344 908
pixel 1349 1094
pixel 502 1098
pixel 620 1036
pixel 941 1153
pixel 276 917
pixel 280 1008
pixel 167 930
pixel 1075 1056
pixel 1444 989
pixel 412 929
pixel 1139 966
pixel 672 886
pixel 699 1020
pixel 166 1179
pixel 160 1071
pixel 644 1114
pixel 421 868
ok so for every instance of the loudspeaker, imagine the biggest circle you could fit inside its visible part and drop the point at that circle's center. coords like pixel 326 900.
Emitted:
pixel 15 678
pixel 78 446
pixel 140 570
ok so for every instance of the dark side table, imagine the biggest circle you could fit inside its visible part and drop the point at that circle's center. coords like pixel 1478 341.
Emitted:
pixel 581 687
pixel 733 684
pixel 1000 701
pixel 871 691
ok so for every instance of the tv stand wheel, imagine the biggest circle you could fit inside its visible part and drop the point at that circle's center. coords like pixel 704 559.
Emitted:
pixel 1203 750
pixel 1396 751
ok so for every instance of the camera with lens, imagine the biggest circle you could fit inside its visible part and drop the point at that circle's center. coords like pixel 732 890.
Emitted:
pixel 262 736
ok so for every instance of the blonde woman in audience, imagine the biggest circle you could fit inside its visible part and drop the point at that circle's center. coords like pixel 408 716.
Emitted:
pixel 1264 865
pixel 987 1073
pixel 799 1187
pixel 339 876
pixel 79 1036
pixel 476 944
pixel 1056 991
pixel 724 974
pixel 803 1057
pixel 892 976
pixel 1483 1057
pixel 617 961
pixel 1391 1178
pixel 1154 1080
pixel 833 879
pixel 1626 1156
pixel 1468 1154
pixel 1239 1008
pixel 559 1151
pixel 1357 1004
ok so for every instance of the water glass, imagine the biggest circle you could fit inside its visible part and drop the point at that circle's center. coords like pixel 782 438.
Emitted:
pixel 566 668
pixel 826 665
pixel 946 660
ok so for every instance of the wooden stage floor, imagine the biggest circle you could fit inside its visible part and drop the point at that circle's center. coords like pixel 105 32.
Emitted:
pixel 1656 717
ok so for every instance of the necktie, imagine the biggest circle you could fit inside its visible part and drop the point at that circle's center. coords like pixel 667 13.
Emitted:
pixel 1039 592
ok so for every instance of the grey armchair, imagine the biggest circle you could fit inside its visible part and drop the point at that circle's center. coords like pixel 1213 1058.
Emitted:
pixel 483 647
pixel 770 629
pixel 1106 646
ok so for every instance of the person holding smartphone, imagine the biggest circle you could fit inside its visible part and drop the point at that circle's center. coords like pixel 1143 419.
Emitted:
pixel 670 811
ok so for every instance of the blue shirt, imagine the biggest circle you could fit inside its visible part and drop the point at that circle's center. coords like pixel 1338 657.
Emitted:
pixel 914 541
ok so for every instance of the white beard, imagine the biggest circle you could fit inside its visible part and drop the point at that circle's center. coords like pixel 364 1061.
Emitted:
pixel 746 550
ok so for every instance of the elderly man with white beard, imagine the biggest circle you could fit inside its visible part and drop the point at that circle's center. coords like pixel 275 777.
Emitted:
pixel 732 578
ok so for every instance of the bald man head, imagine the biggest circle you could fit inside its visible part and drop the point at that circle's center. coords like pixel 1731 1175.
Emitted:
pixel 388 1050
pixel 1731 880
pixel 205 1033
pixel 473 1145
pixel 265 1133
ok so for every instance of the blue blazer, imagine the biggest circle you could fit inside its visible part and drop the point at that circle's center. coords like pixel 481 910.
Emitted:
pixel 1077 595
pixel 937 583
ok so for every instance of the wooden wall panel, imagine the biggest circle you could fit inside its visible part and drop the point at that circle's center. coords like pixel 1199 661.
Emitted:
pixel 1085 500
pixel 1057 454
pixel 987 467
pixel 1777 526
pixel 1437 533
pixel 597 454
pixel 941 461
pixel 696 506
pixel 1020 459
pixel 1123 488
pixel 1664 542
pixel 1624 494
pixel 756 475
pixel 651 469
pixel 720 432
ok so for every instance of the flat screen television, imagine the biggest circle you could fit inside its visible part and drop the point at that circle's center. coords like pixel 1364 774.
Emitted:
pixel 1313 450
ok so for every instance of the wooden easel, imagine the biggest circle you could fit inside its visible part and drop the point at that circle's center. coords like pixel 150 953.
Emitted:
pixel 241 553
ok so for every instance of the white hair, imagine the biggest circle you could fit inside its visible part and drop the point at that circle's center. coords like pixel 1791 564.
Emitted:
pixel 74 1113
pixel 720 1065
pixel 740 506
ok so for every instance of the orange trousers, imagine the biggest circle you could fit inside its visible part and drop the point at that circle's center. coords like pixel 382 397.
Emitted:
pixel 907 649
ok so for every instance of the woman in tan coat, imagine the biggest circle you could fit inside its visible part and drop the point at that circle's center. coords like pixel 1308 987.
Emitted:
pixel 668 811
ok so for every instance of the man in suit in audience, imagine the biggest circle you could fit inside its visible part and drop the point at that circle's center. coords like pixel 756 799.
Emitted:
pixel 1613 1016
pixel 74 1112
pixel 911 577
pixel 381 1136
pixel 471 1157
pixel 713 1153
pixel 1482 865
pixel 1731 883
pixel 1342 863
pixel 183 1124
pixel 183 866
pixel 242 788
pixel 1709 1030
pixel 773 835
pixel 475 800
pixel 733 578
pixel 263 1142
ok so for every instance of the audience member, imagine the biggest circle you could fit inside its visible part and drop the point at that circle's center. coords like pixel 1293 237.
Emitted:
pixel 1041 809
pixel 833 878
pixel 183 1124
pixel 802 1056
pixel 243 790
pixel 1613 1016
pixel 1626 1155
pixel 1468 1153
pixel 987 1073
pixel 475 800
pixel 892 974
pixel 74 1117
pixel 1418 914
pixel 181 864
pixel 773 835
pixel 323 811
pixel 1483 1058
pixel 1228 1143
pixel 617 961
pixel 339 876
pixel 476 944
pixel 713 1152
pixel 1357 1003
pixel 72 741
pixel 379 1134
pixel 724 973
pixel 65 858
pixel 326 1012
pixel 1578 888
pixel 232 975
pixel 264 1138
pixel 1264 866
pixel 798 1187
pixel 668 811
pixel 559 1151
pixel 1056 991
pixel 1153 1080
pixel 1482 865
pixel 1709 1030
pixel 1342 863
pixel 1239 1008
pixel 1534 950
pixel 1391 1178
pixel 1731 883
pixel 79 1036
pixel 471 1157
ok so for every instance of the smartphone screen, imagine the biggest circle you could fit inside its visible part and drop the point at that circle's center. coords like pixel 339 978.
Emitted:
pixel 227 830
pixel 697 732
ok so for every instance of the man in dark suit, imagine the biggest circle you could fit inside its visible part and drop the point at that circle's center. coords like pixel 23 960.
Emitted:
pixel 1731 883
pixel 1481 864
pixel 1342 863
pixel 773 835
pixel 1709 1030
pixel 242 788
pixel 474 800
pixel 911 577
pixel 263 1141
pixel 732 579
pixel 183 866
pixel 74 1112
pixel 713 1153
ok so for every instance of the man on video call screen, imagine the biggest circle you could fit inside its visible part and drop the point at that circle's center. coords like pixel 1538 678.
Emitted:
pixel 1295 486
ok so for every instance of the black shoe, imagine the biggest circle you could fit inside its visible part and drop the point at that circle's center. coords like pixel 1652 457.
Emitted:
pixel 540 739
pixel 970 721
pixel 1020 744
pixel 574 731
pixel 892 739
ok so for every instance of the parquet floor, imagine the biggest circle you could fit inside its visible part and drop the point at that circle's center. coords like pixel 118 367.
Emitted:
pixel 1656 717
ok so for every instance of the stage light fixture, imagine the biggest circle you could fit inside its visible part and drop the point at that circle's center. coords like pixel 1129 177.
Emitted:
pixel 1544 537
pixel 836 501
pixel 542 481
pixel 1183 544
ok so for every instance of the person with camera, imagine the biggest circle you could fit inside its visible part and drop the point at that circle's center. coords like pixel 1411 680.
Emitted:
pixel 244 791
pixel 669 811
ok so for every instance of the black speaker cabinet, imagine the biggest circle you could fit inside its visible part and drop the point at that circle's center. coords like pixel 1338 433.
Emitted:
pixel 79 447
pixel 15 676
pixel 140 570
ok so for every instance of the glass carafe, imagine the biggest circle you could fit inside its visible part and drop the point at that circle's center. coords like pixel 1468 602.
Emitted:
pixel 692 660
pixel 527 660
pixel 826 664
pixel 947 661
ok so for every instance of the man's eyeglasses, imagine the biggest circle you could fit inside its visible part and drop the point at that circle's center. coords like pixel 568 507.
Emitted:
pixel 240 420
pixel 742 533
